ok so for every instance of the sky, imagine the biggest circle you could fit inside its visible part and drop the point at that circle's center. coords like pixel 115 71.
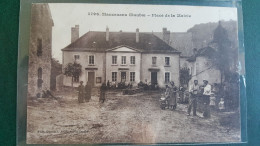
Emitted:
pixel 67 15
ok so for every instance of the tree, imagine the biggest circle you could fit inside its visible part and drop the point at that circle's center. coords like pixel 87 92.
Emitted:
pixel 185 76
pixel 225 60
pixel 73 70
pixel 223 57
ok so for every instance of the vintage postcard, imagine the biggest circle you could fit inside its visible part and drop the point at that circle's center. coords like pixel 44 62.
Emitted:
pixel 128 73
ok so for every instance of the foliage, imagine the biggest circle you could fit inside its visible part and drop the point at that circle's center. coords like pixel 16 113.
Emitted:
pixel 224 55
pixel 56 69
pixel 73 70
pixel 225 60
pixel 185 76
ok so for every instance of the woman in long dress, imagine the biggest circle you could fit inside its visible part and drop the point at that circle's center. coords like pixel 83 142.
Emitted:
pixel 173 96
pixel 167 95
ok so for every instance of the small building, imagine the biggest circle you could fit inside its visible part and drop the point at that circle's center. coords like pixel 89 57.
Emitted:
pixel 128 57
pixel 40 49
pixel 202 67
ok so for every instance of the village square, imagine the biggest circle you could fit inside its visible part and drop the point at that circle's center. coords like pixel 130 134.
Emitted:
pixel 133 87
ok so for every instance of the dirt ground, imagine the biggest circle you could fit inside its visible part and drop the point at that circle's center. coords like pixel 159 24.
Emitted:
pixel 121 119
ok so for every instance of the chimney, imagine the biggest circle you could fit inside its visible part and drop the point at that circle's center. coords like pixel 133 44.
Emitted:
pixel 137 35
pixel 74 33
pixel 166 35
pixel 107 34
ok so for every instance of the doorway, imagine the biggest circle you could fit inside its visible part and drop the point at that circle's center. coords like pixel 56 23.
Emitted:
pixel 123 76
pixel 91 78
pixel 153 77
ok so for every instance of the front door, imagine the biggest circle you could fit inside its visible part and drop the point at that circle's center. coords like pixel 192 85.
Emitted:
pixel 91 78
pixel 123 76
pixel 153 77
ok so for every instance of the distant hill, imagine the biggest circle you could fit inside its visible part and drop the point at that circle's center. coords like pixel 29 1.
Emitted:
pixel 202 34
pixel 199 36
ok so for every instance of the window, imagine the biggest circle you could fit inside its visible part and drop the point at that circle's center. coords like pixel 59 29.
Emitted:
pixel 76 57
pixel 167 60
pixel 114 76
pixel 123 60
pixel 132 59
pixel 154 60
pixel 91 60
pixel 98 80
pixel 114 59
pixel 167 77
pixel 39 47
pixel 76 79
pixel 132 76
pixel 39 81
pixel 40 73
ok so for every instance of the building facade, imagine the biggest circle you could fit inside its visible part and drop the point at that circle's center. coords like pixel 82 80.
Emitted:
pixel 128 57
pixel 202 67
pixel 40 48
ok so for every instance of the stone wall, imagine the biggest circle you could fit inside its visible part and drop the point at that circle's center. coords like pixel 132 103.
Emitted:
pixel 40 37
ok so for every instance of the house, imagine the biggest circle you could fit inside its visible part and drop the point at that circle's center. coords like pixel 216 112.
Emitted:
pixel 202 67
pixel 40 48
pixel 183 42
pixel 198 61
pixel 128 57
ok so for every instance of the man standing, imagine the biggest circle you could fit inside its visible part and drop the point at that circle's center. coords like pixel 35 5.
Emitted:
pixel 206 98
pixel 193 98
pixel 88 92
pixel 102 96
pixel 108 84
pixel 173 96
pixel 81 92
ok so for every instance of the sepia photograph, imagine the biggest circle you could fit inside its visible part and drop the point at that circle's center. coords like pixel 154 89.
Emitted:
pixel 133 74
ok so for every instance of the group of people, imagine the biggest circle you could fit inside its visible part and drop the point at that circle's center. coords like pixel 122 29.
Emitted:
pixel 171 95
pixel 204 91
pixel 84 92
pixel 195 92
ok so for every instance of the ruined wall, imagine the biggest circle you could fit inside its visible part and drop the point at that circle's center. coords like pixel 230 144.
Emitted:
pixel 40 37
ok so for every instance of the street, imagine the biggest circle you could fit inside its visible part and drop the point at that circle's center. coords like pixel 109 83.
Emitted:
pixel 121 119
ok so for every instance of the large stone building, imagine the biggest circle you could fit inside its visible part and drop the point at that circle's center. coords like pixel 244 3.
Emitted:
pixel 128 57
pixel 40 49
pixel 186 51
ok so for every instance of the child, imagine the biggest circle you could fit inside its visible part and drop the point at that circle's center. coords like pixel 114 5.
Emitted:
pixel 221 105
pixel 212 102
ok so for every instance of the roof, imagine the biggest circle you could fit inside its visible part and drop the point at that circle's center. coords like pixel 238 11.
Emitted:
pixel 205 52
pixel 182 41
pixel 96 41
